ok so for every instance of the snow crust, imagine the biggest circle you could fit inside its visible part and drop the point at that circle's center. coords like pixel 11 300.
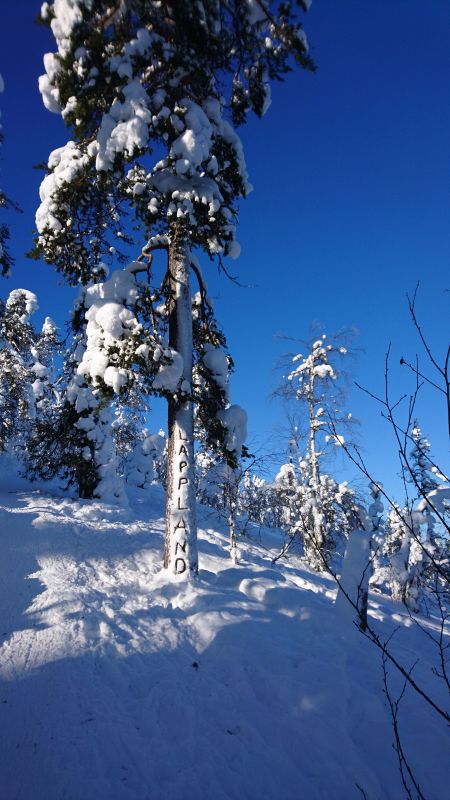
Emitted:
pixel 110 675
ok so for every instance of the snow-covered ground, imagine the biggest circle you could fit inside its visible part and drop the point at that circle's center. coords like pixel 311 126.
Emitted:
pixel 116 684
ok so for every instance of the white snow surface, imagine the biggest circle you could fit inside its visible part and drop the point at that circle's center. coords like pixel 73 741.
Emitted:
pixel 117 684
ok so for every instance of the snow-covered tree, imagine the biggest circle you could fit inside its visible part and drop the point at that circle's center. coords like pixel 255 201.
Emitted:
pixel 43 368
pixel 109 359
pixel 375 513
pixel 239 494
pixel 410 543
pixel 253 500
pixel 17 339
pixel 48 345
pixel 141 468
pixel 312 382
pixel 61 444
pixel 394 530
pixel 284 492
pixel 405 556
pixel 423 475
pixel 136 76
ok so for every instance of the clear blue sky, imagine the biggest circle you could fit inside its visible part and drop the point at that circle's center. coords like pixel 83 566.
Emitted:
pixel 350 206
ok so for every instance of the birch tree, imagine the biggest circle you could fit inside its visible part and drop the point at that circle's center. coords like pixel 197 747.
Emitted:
pixel 145 88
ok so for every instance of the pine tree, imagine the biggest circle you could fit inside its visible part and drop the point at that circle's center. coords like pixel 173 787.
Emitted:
pixel 140 75
pixel 66 434
pixel 61 445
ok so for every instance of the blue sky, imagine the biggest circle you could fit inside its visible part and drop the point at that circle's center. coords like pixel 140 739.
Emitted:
pixel 350 207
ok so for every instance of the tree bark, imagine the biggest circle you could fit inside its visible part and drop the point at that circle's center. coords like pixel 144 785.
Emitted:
pixel 180 545
pixel 314 543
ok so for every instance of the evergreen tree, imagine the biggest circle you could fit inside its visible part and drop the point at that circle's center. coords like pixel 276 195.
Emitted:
pixel 135 76
pixel 252 498
pixel 311 382
pixel 375 513
pixel 406 545
pixel 405 555
pixel 108 361
pixel 43 370
pixel 141 468
pixel 17 339
pixel 284 492
pixel 61 445
pixel 422 475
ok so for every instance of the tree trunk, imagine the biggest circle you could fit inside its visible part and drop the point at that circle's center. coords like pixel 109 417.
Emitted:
pixel 314 542
pixel 229 494
pixel 180 546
